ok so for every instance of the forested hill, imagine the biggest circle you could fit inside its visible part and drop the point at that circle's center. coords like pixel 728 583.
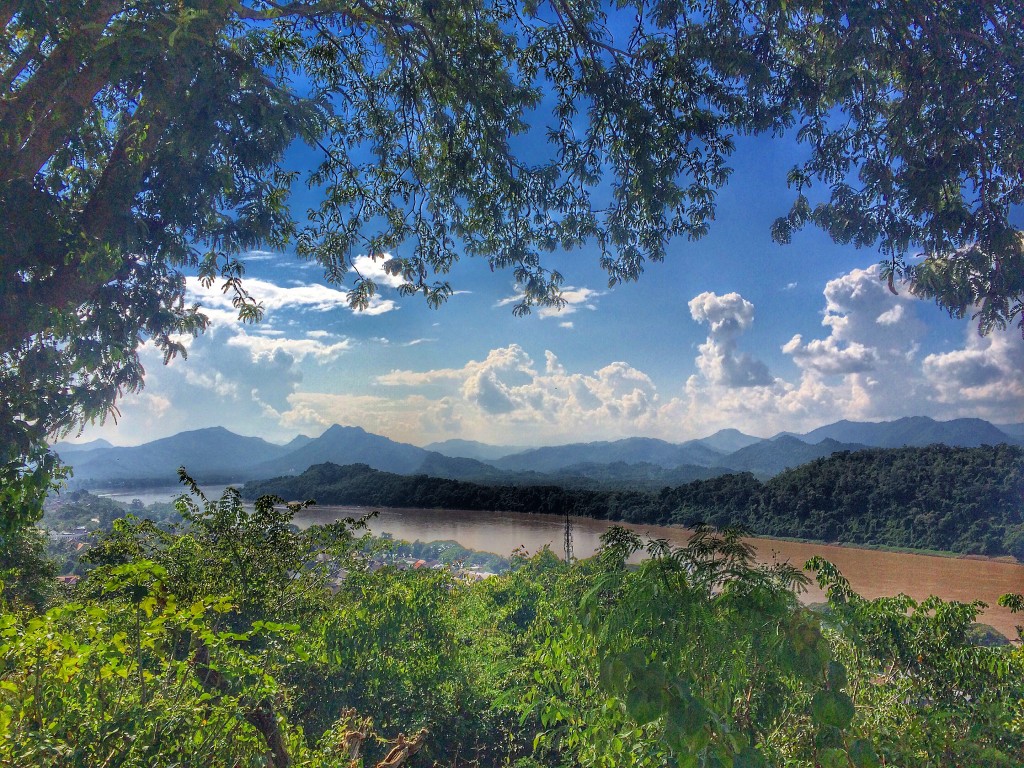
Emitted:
pixel 968 500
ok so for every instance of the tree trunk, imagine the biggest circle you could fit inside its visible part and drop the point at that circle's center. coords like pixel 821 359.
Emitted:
pixel 260 715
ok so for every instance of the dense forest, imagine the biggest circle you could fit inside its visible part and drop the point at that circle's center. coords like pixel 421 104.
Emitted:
pixel 967 500
pixel 233 638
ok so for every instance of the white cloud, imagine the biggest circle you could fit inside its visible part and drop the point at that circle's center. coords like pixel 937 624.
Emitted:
pixel 377 306
pixel 726 314
pixel 372 268
pixel 864 363
pixel 273 297
pixel 261 347
pixel 507 390
pixel 871 350
pixel 259 255
pixel 891 316
pixel 826 356
pixel 574 298
pixel 983 378
pixel 313 297
pixel 720 361
pixel 867 367
pixel 859 368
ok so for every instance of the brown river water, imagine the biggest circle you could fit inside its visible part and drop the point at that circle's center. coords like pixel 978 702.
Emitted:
pixel 873 573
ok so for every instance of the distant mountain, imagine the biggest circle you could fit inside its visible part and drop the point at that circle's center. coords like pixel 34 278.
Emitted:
pixel 65 448
pixel 471 449
pixel 1015 431
pixel 345 445
pixel 769 457
pixel 217 455
pixel 911 431
pixel 632 450
pixel 726 441
pixel 460 468
pixel 209 455
pixel 299 441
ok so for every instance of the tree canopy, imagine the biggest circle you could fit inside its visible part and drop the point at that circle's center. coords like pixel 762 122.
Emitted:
pixel 235 639
pixel 144 139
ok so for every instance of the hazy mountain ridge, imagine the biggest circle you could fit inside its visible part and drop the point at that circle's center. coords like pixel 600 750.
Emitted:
pixel 92 445
pixel 726 440
pixel 346 445
pixel 209 455
pixel 630 450
pixel 915 431
pixel 1013 430
pixel 472 449
pixel 216 454
pixel 770 457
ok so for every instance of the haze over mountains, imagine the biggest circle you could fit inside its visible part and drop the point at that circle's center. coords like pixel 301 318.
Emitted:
pixel 218 455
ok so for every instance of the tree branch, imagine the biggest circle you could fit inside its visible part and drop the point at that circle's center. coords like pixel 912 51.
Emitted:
pixel 61 64
pixel 260 714
pixel 303 10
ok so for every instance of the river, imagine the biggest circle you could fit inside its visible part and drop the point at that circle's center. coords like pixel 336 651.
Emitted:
pixel 872 572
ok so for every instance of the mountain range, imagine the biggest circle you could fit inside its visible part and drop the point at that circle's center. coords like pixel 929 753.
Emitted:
pixel 216 455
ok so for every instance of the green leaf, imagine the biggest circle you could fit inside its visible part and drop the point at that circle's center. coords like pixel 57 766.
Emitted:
pixel 862 754
pixel 749 757
pixel 833 708
pixel 833 758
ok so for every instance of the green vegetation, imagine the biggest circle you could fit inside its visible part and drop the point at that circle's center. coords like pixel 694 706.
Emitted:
pixel 968 500
pixel 141 140
pixel 240 640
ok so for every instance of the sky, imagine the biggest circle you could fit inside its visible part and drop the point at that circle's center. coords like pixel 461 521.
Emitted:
pixel 730 331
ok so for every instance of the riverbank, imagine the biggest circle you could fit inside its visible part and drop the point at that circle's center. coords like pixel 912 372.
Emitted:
pixel 873 572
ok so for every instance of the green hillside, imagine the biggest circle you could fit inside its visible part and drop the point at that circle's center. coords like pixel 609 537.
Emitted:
pixel 968 500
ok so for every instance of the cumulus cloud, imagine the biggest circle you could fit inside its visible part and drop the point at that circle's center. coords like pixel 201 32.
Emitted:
pixel 864 362
pixel 720 361
pixel 867 366
pixel 829 357
pixel 726 314
pixel 508 389
pixel 891 316
pixel 260 347
pixel 983 378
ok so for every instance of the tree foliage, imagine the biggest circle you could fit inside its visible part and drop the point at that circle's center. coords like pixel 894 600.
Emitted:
pixel 236 639
pixel 908 109
pixel 143 139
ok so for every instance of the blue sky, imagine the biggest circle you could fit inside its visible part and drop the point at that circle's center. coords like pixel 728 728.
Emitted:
pixel 730 331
